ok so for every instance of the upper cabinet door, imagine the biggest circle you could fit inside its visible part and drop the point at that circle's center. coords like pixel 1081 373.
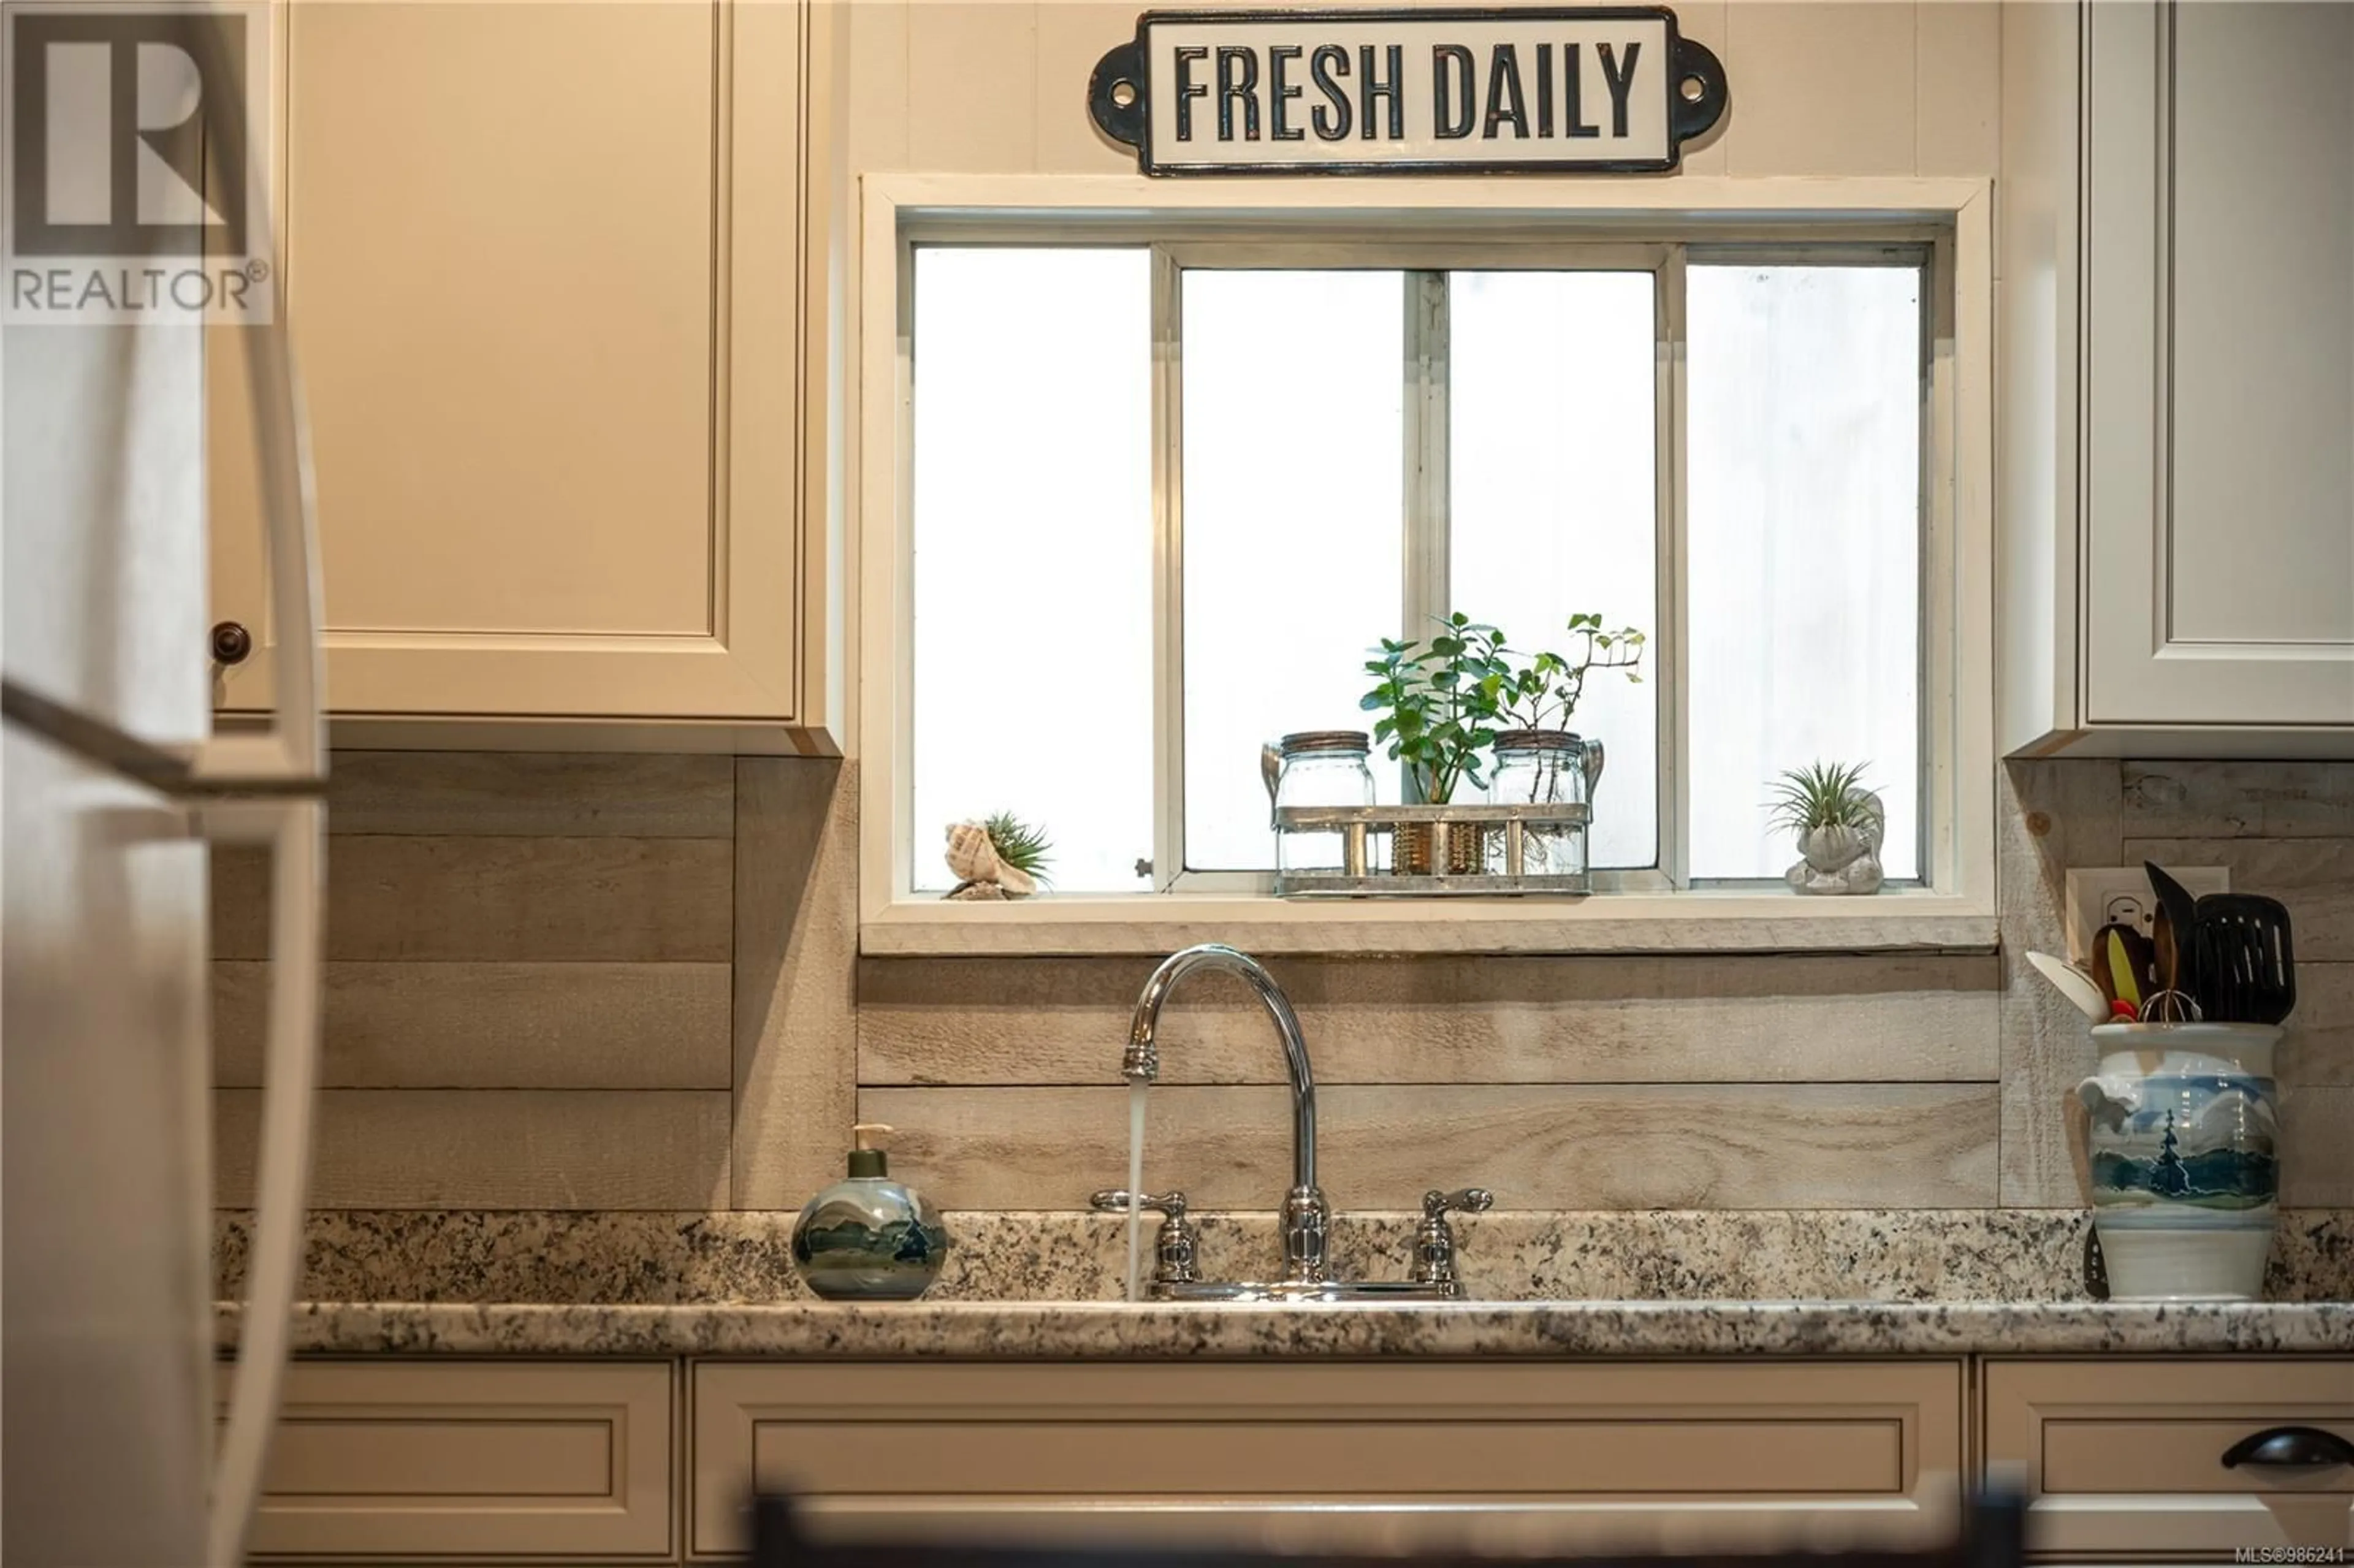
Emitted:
pixel 542 267
pixel 2219 441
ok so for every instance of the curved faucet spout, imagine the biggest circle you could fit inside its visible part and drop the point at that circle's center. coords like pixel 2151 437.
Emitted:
pixel 1306 1216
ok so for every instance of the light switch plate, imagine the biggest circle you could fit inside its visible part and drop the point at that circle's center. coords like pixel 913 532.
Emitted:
pixel 2100 895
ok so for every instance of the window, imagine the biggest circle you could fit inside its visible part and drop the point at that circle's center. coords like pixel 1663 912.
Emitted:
pixel 1033 574
pixel 1167 493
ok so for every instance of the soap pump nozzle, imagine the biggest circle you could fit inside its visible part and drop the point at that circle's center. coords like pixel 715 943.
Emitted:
pixel 866 1157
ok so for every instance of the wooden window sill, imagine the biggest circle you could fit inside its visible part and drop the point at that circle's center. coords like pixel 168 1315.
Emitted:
pixel 1727 921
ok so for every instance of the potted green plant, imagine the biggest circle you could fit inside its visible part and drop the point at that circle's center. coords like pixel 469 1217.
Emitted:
pixel 1438 703
pixel 1838 822
pixel 1537 701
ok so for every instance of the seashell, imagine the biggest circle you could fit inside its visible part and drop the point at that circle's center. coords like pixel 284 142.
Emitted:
pixel 971 854
pixel 1017 883
pixel 977 893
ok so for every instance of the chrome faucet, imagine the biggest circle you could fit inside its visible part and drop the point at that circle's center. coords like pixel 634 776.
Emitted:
pixel 1307 1218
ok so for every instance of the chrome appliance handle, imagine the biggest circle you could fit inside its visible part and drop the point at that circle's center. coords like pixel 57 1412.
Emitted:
pixel 293 750
pixel 295 831
pixel 291 754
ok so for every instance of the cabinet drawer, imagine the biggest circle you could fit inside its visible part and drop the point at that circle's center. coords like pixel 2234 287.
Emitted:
pixel 1333 1456
pixel 393 1459
pixel 2126 1454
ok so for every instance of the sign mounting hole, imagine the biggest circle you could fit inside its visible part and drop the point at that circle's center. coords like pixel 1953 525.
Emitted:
pixel 1123 94
pixel 1693 89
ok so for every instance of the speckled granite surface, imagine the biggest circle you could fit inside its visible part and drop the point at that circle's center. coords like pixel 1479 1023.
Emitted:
pixel 1068 1329
pixel 677 1259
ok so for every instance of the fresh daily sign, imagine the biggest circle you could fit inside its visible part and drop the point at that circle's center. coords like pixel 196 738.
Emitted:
pixel 1434 91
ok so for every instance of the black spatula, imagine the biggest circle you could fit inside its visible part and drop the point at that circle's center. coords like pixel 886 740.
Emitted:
pixel 2178 955
pixel 2246 962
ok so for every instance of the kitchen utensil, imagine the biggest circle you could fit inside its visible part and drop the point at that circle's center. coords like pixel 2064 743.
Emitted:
pixel 2247 963
pixel 2074 983
pixel 2176 1001
pixel 2226 973
pixel 2124 965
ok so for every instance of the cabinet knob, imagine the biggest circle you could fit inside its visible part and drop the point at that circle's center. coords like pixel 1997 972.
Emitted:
pixel 231 643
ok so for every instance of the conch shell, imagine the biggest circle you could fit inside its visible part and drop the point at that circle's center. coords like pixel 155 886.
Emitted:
pixel 972 855
pixel 974 860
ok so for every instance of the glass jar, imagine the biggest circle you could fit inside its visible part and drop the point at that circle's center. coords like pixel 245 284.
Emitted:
pixel 1321 767
pixel 1544 767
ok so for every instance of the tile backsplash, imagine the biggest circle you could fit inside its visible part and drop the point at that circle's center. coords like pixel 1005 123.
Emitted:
pixel 624 982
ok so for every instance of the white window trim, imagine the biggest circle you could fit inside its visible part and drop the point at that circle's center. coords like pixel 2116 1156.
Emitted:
pixel 1958 626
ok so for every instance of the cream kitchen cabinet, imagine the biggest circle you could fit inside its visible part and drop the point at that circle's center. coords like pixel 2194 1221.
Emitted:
pixel 561 280
pixel 394 1460
pixel 2176 422
pixel 2129 1455
pixel 1333 1456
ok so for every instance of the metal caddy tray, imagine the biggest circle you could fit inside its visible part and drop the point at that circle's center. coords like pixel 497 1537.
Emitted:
pixel 1358 826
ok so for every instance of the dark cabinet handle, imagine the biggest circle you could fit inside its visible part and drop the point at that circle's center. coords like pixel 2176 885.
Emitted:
pixel 2290 1448
pixel 231 643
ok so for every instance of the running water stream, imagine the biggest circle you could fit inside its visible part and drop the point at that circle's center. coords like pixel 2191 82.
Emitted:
pixel 1136 1091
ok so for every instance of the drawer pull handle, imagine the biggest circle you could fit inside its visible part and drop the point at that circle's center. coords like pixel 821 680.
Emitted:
pixel 2290 1448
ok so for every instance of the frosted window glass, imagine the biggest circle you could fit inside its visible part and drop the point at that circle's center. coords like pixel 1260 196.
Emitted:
pixel 1804 518
pixel 1554 491
pixel 1293 496
pixel 1032 576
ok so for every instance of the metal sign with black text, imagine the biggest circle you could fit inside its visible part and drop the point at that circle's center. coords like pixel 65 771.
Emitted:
pixel 1592 90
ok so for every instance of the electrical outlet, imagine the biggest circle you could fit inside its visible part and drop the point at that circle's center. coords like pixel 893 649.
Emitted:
pixel 2120 894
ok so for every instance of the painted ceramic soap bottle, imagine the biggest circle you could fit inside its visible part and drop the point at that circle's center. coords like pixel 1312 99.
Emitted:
pixel 866 1238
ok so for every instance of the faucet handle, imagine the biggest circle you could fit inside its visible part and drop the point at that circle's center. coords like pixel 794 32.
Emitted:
pixel 1435 1204
pixel 1434 1239
pixel 1173 1250
pixel 1114 1200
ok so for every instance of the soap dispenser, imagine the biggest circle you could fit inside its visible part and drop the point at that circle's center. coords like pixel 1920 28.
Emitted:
pixel 866 1238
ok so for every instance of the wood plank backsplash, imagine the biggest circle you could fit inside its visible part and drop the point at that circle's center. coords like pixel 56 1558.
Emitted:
pixel 632 981
pixel 528 992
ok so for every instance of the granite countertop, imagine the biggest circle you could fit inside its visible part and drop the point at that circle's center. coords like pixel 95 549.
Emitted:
pixel 1110 1329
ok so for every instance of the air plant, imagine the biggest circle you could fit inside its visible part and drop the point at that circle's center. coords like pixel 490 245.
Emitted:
pixel 1020 845
pixel 1822 795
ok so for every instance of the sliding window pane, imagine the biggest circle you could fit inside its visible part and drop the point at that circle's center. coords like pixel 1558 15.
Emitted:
pixel 1033 554
pixel 1805 519
pixel 1293 482
pixel 1553 489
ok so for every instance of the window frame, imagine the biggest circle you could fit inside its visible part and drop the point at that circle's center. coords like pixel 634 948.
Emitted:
pixel 1425 571
pixel 1939 224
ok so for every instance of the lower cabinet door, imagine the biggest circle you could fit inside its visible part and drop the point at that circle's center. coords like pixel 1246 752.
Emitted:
pixel 1334 1457
pixel 390 1459
pixel 2129 1454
